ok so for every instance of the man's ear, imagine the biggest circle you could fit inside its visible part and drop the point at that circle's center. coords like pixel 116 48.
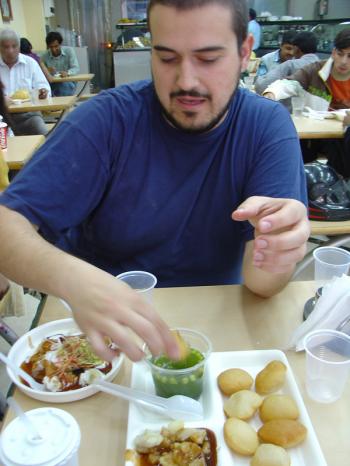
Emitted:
pixel 246 50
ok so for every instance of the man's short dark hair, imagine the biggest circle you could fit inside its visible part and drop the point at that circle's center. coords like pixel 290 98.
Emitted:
pixel 252 13
pixel 306 42
pixel 238 8
pixel 342 39
pixel 288 37
pixel 52 37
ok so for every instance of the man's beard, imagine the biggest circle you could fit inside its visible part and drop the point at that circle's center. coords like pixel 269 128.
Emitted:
pixel 197 129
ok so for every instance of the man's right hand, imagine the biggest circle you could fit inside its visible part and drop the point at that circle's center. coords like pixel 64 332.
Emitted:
pixel 104 306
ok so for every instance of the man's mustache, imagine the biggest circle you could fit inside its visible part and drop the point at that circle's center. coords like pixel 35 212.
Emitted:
pixel 191 93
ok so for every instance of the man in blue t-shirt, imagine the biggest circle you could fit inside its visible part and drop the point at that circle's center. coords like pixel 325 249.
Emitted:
pixel 186 176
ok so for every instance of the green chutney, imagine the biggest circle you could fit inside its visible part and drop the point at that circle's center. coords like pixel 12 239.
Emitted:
pixel 189 384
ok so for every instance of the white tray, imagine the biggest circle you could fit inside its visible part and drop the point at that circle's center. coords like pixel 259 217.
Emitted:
pixel 306 454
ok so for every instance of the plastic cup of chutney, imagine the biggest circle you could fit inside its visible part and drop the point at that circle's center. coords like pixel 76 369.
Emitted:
pixel 184 376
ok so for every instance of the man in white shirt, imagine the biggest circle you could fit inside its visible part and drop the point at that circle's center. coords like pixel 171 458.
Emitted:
pixel 18 71
pixel 254 29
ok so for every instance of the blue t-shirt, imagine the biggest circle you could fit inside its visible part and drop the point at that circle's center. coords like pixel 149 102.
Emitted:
pixel 118 186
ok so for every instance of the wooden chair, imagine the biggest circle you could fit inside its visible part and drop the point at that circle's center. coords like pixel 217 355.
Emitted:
pixel 335 233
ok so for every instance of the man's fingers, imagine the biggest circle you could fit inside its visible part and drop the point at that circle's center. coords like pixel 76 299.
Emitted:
pixel 99 344
pixel 168 342
pixel 289 239
pixel 256 207
pixel 282 258
pixel 282 218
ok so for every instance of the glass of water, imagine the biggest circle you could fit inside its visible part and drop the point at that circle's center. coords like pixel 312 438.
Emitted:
pixel 327 364
pixel 298 105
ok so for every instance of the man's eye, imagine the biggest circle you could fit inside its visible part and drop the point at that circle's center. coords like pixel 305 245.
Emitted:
pixel 208 59
pixel 167 59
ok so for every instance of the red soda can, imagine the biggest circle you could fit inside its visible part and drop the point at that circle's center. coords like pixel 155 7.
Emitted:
pixel 3 134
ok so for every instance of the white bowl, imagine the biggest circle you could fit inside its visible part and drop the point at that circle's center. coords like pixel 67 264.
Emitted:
pixel 27 344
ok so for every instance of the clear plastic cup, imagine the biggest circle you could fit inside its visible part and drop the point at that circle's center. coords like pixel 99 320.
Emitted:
pixel 59 443
pixel 140 281
pixel 249 82
pixel 298 103
pixel 327 364
pixel 330 262
pixel 34 94
pixel 181 381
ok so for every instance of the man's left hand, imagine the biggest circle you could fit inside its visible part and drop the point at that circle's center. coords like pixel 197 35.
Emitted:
pixel 281 231
pixel 64 74
pixel 42 93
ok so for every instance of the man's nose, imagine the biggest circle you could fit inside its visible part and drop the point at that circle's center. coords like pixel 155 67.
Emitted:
pixel 186 76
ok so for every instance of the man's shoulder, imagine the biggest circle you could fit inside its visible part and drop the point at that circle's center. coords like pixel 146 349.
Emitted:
pixel 260 109
pixel 67 49
pixel 26 60
pixel 128 100
pixel 137 90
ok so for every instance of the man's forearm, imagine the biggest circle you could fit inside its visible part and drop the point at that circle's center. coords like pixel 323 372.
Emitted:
pixel 260 282
pixel 26 258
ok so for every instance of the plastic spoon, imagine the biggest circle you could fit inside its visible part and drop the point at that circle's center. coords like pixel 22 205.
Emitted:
pixel 175 407
pixel 32 430
pixel 21 373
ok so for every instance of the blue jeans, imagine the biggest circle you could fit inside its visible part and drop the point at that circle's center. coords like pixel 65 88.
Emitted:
pixel 63 89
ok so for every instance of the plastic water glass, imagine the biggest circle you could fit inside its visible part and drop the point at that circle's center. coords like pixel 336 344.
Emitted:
pixel 330 262
pixel 34 94
pixel 327 364
pixel 297 106
pixel 249 82
pixel 140 281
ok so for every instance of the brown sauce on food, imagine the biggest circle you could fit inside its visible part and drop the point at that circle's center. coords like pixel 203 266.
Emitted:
pixel 68 374
pixel 210 455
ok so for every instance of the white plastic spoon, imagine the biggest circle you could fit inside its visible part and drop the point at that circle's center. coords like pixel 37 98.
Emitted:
pixel 32 430
pixel 176 407
pixel 21 373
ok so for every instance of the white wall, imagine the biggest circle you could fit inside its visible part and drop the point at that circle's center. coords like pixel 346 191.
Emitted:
pixel 306 9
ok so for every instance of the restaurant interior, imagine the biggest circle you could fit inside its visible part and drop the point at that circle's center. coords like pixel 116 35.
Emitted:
pixel 241 338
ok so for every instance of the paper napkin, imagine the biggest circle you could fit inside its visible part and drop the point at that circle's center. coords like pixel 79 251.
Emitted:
pixel 331 309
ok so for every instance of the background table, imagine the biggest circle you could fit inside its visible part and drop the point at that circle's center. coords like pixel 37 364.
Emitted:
pixel 234 319
pixel 74 78
pixel 51 104
pixel 308 128
pixel 20 149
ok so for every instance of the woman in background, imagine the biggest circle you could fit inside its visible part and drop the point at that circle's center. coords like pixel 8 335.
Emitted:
pixel 26 49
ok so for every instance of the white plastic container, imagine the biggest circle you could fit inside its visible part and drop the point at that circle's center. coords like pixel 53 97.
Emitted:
pixel 58 446
pixel 3 133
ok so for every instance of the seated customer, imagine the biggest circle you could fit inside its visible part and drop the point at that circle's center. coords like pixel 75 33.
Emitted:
pixel 26 49
pixel 61 61
pixel 325 83
pixel 17 71
pixel 305 46
pixel 285 52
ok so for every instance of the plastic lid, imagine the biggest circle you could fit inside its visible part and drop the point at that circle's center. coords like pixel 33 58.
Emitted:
pixel 60 439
